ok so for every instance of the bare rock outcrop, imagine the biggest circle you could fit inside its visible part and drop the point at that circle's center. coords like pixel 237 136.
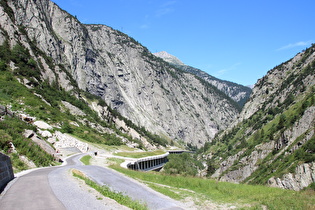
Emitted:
pixel 238 93
pixel 304 176
pixel 274 135
pixel 109 64
pixel 73 109
pixel 39 141
pixel 65 141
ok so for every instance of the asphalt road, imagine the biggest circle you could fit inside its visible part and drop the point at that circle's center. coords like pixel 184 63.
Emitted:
pixel 31 191
pixel 52 188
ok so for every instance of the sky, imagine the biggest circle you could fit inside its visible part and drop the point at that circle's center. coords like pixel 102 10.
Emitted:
pixel 234 40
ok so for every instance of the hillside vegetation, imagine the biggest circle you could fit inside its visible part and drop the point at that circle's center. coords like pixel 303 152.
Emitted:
pixel 56 49
pixel 24 93
pixel 273 143
pixel 101 86
pixel 211 194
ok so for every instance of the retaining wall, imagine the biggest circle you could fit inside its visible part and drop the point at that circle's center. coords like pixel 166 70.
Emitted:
pixel 6 171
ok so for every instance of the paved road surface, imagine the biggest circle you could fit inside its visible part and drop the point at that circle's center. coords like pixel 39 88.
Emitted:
pixel 31 191
pixel 51 188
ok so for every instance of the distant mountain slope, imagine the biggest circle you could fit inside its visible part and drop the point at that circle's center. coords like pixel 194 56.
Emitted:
pixel 107 63
pixel 273 141
pixel 169 58
pixel 238 93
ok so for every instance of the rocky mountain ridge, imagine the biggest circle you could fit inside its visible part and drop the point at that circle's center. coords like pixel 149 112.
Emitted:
pixel 273 140
pixel 238 93
pixel 51 64
pixel 115 67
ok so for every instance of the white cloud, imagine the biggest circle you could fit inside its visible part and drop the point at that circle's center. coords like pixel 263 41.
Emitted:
pixel 225 70
pixel 76 3
pixel 220 72
pixel 165 9
pixel 166 4
pixel 297 44
pixel 144 26
pixel 146 22
pixel 161 10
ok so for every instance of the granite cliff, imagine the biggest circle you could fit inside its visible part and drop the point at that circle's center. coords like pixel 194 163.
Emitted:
pixel 237 92
pixel 107 63
pixel 110 89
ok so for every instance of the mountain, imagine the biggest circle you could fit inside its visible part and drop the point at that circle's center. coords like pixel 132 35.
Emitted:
pixel 169 58
pixel 273 141
pixel 61 80
pixel 238 93
pixel 144 89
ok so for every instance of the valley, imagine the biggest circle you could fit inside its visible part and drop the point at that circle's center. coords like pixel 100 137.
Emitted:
pixel 70 88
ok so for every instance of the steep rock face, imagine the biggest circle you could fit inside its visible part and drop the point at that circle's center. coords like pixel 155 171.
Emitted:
pixel 247 164
pixel 238 93
pixel 109 64
pixel 303 176
pixel 276 86
pixel 273 140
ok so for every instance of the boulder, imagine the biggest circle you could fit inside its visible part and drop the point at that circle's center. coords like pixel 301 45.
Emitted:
pixel 43 125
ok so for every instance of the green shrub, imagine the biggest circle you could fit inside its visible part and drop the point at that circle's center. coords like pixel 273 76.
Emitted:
pixel 66 128
pixel 210 168
pixel 307 152
pixel 3 65
pixel 5 139
pixel 184 164
pixel 13 129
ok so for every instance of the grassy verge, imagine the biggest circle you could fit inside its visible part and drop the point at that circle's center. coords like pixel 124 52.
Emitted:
pixel 86 159
pixel 240 195
pixel 114 161
pixel 140 154
pixel 104 190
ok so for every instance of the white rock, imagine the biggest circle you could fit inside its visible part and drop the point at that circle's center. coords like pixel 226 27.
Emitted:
pixel 65 140
pixel 43 125
pixel 46 134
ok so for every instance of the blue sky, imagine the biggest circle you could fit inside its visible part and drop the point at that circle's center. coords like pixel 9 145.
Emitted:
pixel 234 40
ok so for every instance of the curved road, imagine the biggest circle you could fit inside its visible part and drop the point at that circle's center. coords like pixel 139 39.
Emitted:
pixel 52 188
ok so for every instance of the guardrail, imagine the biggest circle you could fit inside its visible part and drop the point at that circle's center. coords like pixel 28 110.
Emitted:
pixel 152 163
pixel 149 163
